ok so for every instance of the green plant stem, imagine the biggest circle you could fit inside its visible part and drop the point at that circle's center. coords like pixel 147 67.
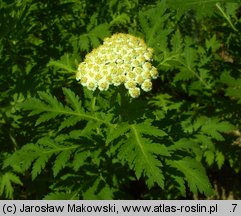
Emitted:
pixel 226 16
pixel 93 102
pixel 123 102
pixel 15 145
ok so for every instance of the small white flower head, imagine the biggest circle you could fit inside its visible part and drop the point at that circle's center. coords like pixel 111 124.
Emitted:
pixel 140 58
pixel 84 80
pixel 147 66
pixel 148 54
pixel 136 63
pixel 103 85
pixel 97 77
pixel 139 79
pixel 91 85
pixel 117 80
pixel 154 73
pixel 146 85
pixel 130 84
pixel 134 92
pixel 130 75
pixel 146 75
pixel 138 70
pixel 122 59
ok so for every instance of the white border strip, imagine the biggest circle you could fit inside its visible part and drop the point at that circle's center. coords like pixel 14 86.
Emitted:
pixel 120 207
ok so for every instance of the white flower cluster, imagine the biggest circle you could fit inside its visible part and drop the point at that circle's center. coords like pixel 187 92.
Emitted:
pixel 122 59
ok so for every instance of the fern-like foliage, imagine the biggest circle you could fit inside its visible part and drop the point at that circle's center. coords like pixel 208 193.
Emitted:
pixel 120 12
pixel 139 145
pixel 192 66
pixel 84 133
pixel 6 184
pixel 121 19
pixel 36 156
pixel 201 7
pixel 66 64
pixel 151 22
pixel 207 131
pixel 139 151
pixel 208 127
pixel 50 108
pixel 233 89
pixel 80 144
pixel 172 50
pixel 93 36
pixel 194 174
pixel 98 192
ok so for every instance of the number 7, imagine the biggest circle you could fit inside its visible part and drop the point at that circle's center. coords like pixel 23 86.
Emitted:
pixel 234 206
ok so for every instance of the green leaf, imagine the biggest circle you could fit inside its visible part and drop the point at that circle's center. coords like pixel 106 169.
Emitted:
pixel 79 159
pixel 165 102
pixel 220 159
pixel 183 75
pixel 39 154
pixel 234 86
pixel 194 174
pixel 66 64
pixel 152 21
pixel 69 121
pixel 213 44
pixel 6 184
pixel 84 43
pixel 93 36
pixel 147 128
pixel 22 159
pixel 209 157
pixel 40 164
pixel 61 161
pixel 98 191
pixel 214 127
pixel 190 55
pixel 206 141
pixel 117 131
pixel 121 19
pixel 184 144
pixel 141 153
pixel 181 184
pixel 73 100
pixel 203 8
pixel 50 107
pixel 177 42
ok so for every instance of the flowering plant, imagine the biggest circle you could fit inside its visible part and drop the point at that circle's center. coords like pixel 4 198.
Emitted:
pixel 155 113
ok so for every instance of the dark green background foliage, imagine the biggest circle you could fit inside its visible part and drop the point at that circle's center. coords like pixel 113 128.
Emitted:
pixel 60 141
